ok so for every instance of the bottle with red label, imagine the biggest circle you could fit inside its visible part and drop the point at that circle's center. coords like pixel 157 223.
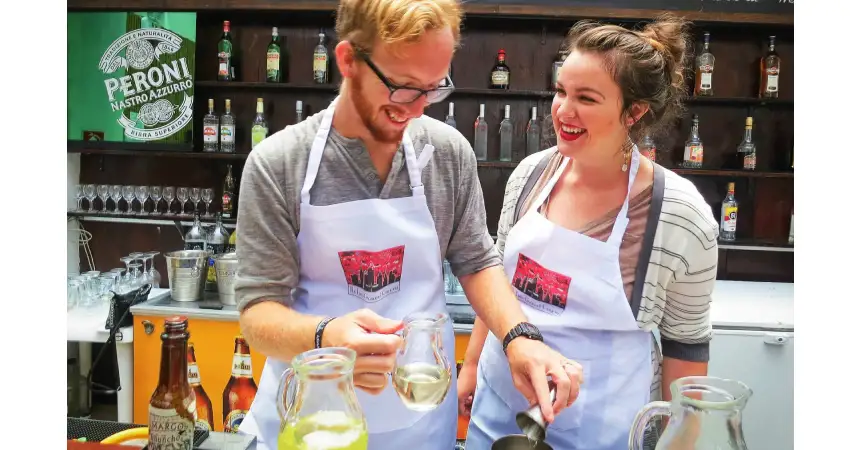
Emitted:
pixel 769 86
pixel 211 127
pixel 500 76
pixel 225 55
pixel 647 147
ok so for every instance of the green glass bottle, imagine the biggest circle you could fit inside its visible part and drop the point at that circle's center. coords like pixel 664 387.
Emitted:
pixel 273 59
pixel 225 54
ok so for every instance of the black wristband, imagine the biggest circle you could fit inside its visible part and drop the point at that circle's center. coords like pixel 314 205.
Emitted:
pixel 523 329
pixel 320 330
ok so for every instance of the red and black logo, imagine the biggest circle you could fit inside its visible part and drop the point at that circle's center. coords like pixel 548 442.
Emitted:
pixel 539 287
pixel 371 276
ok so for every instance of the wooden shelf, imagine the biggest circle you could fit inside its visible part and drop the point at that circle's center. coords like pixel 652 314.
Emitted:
pixel 330 88
pixel 732 173
pixel 149 219
pixel 738 101
pixel 757 245
pixel 160 154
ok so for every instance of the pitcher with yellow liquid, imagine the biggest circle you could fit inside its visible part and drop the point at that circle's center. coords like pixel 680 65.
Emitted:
pixel 323 411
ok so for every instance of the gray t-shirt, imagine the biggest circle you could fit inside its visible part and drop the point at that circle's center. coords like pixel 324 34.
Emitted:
pixel 269 200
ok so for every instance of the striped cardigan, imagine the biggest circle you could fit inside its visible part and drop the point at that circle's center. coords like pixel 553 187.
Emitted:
pixel 680 268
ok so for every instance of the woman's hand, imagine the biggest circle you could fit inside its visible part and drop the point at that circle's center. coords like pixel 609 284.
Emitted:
pixel 466 381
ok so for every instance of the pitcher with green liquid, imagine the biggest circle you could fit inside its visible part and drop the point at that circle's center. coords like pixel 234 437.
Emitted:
pixel 319 410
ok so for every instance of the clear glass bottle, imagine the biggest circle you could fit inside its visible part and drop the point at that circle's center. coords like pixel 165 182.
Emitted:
pixel 693 147
pixel 228 129
pixel 195 238
pixel 260 129
pixel 791 231
pixel 769 85
pixel 559 61
pixel 704 69
pixel 747 148
pixel 480 145
pixel 211 124
pixel 532 133
pixel 450 119
pixel 299 111
pixel 647 147
pixel 506 134
pixel 321 61
pixel 728 215
pixel 323 406
pixel 217 242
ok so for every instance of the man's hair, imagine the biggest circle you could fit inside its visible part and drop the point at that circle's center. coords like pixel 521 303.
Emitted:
pixel 364 22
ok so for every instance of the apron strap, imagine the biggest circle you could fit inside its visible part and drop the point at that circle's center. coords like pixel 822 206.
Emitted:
pixel 425 156
pixel 413 171
pixel 544 193
pixel 622 221
pixel 316 151
pixel 648 238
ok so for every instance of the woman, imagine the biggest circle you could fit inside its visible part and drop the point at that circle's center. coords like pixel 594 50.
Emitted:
pixel 602 246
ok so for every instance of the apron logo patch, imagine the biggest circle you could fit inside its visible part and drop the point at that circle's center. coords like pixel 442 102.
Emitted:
pixel 371 276
pixel 539 287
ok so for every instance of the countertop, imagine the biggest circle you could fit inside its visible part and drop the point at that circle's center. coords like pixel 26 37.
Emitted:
pixel 735 305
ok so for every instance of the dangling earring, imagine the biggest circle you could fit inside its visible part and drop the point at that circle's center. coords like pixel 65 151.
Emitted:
pixel 626 159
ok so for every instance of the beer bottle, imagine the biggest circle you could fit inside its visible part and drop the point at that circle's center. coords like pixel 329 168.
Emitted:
pixel 240 390
pixel 171 412
pixel 204 405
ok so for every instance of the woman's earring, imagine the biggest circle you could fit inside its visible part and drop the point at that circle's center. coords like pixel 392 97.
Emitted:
pixel 626 157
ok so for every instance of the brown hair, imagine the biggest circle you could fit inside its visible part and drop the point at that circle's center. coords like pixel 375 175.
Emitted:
pixel 363 22
pixel 648 66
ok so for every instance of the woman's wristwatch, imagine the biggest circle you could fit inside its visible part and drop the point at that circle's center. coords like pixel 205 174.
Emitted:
pixel 523 329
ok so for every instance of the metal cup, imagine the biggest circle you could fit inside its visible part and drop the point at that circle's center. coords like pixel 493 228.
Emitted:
pixel 225 277
pixel 518 442
pixel 187 274
pixel 531 421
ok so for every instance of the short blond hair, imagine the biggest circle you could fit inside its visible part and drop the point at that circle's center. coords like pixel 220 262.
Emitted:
pixel 364 22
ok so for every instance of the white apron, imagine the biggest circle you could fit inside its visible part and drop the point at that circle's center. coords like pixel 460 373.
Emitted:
pixel 383 255
pixel 570 287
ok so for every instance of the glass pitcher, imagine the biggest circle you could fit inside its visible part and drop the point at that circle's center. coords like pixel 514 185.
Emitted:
pixel 422 374
pixel 323 413
pixel 705 413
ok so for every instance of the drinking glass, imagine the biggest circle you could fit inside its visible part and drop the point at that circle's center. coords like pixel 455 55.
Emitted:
pixel 207 196
pixel 156 195
pixel 182 196
pixel 129 193
pixel 115 192
pixel 102 194
pixel 168 196
pixel 422 374
pixel 195 196
pixel 143 195
pixel 75 292
pixel 91 194
pixel 136 279
pixel 154 278
pixel 80 196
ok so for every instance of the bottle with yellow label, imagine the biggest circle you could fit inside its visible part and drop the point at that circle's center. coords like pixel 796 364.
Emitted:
pixel 728 215
pixel 231 243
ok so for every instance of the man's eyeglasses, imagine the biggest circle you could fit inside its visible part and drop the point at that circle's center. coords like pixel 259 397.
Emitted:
pixel 408 94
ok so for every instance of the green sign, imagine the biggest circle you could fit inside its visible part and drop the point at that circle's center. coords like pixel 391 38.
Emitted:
pixel 131 76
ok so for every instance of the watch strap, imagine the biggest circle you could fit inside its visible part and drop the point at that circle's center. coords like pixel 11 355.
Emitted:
pixel 522 329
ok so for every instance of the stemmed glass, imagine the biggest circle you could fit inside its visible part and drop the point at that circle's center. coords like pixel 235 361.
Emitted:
pixel 156 195
pixel 129 193
pixel 91 194
pixel 182 196
pixel 168 196
pixel 103 194
pixel 135 279
pixel 115 193
pixel 142 195
pixel 153 276
pixel 80 196
pixel 195 195
pixel 124 284
pixel 207 196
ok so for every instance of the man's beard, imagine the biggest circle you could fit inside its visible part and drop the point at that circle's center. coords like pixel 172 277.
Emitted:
pixel 362 105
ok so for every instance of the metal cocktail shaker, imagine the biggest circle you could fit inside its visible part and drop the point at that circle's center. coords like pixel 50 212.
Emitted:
pixel 531 421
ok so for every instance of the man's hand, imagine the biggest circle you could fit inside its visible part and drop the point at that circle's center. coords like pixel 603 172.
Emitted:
pixel 531 362
pixel 371 336
pixel 466 381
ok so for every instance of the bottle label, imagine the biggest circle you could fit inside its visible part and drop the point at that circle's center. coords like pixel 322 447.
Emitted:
pixel 194 375
pixel 223 64
pixel 210 134
pixel 750 161
pixel 202 424
pixel 320 64
pixel 168 430
pixel 730 218
pixel 693 153
pixel 500 78
pixel 228 133
pixel 233 420
pixel 258 133
pixel 226 205
pixel 272 62
pixel 705 81
pixel 772 83
pixel 242 366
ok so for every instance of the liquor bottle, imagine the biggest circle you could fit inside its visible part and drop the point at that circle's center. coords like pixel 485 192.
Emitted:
pixel 480 144
pixel 228 129
pixel 204 405
pixel 532 133
pixel 500 76
pixel 647 147
pixel 704 68
pixel 445 81
pixel 195 238
pixel 450 119
pixel 728 215
pixel 240 390
pixel 299 111
pixel 769 86
pixel 216 244
pixel 260 129
pixel 559 61
pixel 273 58
pixel 320 61
pixel 791 231
pixel 747 148
pixel 211 128
pixel 228 194
pixel 506 134
pixel 172 409
pixel 231 243
pixel 693 147
pixel 225 55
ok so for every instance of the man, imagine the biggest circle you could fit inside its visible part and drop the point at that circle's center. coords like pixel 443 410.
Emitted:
pixel 372 177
